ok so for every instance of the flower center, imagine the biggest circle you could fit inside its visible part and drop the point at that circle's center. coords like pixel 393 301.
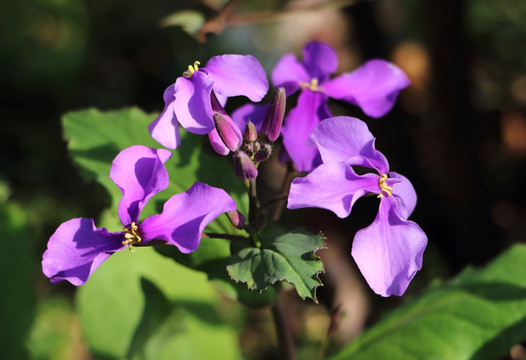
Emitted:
pixel 191 70
pixel 312 86
pixel 383 186
pixel 132 236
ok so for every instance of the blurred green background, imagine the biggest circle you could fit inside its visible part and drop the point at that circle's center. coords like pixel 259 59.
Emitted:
pixel 459 132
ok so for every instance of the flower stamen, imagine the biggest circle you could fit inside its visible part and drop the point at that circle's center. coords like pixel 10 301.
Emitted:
pixel 191 70
pixel 383 186
pixel 132 236
pixel 312 86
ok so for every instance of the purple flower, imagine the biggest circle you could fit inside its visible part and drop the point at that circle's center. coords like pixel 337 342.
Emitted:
pixel 389 251
pixel 189 100
pixel 373 87
pixel 77 247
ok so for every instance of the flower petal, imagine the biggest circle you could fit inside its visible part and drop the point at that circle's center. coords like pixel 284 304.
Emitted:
pixel 77 249
pixel 405 195
pixel 165 129
pixel 185 216
pixel 139 173
pixel 320 60
pixel 249 112
pixel 389 251
pixel 347 139
pixel 217 143
pixel 192 103
pixel 310 110
pixel 331 186
pixel 235 75
pixel 373 87
pixel 289 72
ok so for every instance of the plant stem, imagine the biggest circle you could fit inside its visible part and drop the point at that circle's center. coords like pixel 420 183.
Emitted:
pixel 223 236
pixel 289 176
pixel 283 330
pixel 253 213
pixel 280 197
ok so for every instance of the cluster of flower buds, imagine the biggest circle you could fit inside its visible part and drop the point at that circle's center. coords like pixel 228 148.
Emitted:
pixel 255 147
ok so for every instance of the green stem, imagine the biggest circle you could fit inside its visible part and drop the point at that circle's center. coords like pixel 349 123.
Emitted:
pixel 223 236
pixel 289 176
pixel 253 212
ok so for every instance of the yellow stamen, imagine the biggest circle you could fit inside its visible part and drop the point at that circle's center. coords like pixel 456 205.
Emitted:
pixel 191 70
pixel 383 186
pixel 132 236
pixel 312 86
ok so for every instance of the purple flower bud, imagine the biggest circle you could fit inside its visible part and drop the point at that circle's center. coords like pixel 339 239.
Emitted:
pixel 251 134
pixel 226 131
pixel 237 219
pixel 244 167
pixel 274 117
pixel 264 153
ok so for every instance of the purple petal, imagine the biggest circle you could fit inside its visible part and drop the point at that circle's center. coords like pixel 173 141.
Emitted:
pixel 299 124
pixel 139 173
pixel 320 60
pixel 185 216
pixel 405 195
pixel 217 143
pixel 289 72
pixel 192 103
pixel 373 87
pixel 220 98
pixel 250 112
pixel 77 249
pixel 165 129
pixel 347 139
pixel 389 252
pixel 331 186
pixel 235 75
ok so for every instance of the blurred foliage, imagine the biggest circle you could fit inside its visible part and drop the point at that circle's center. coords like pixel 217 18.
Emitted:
pixel 17 266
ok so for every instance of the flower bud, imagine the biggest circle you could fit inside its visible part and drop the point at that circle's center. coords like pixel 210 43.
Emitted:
pixel 264 153
pixel 227 131
pixel 237 219
pixel 251 133
pixel 274 117
pixel 244 167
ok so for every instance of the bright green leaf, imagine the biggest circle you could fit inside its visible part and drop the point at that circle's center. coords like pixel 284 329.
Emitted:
pixel 282 257
pixel 113 306
pixel 478 315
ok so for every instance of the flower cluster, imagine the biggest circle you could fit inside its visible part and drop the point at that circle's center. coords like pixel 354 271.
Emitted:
pixel 388 252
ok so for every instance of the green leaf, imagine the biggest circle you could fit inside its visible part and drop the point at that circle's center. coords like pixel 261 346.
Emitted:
pixel 282 257
pixel 212 257
pixel 117 310
pixel 478 315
